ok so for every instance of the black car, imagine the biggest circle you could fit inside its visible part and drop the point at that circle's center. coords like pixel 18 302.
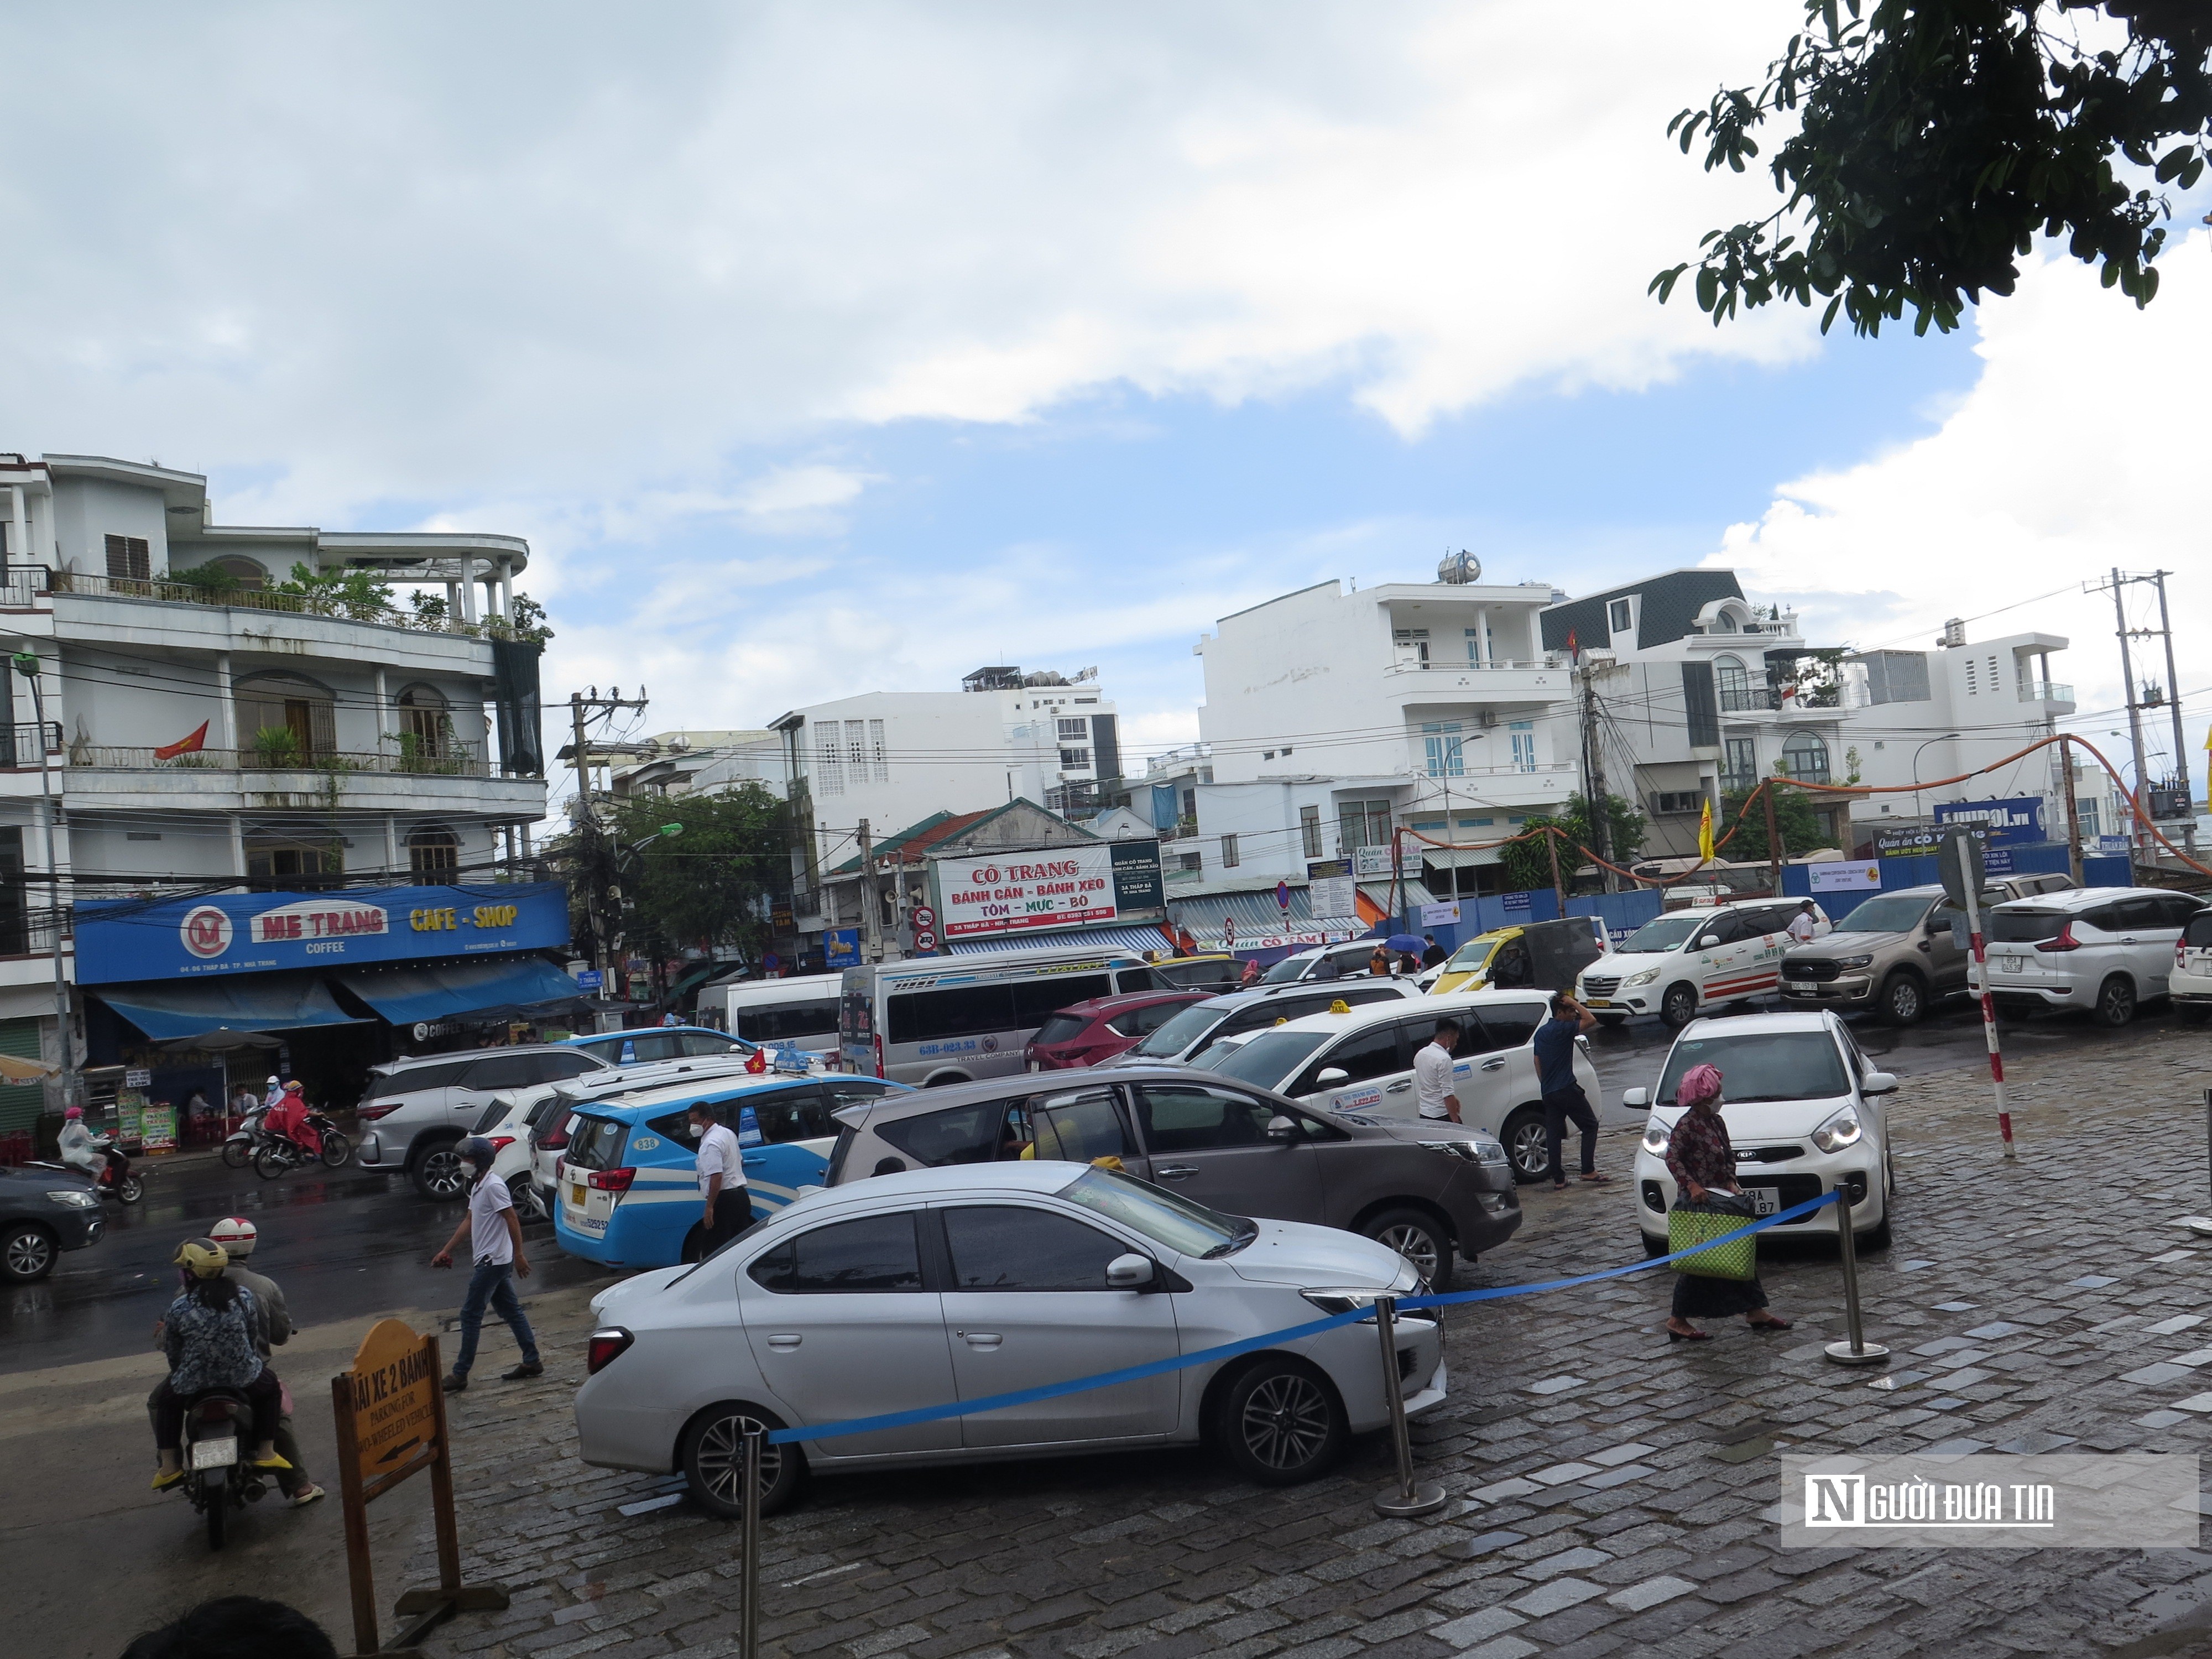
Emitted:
pixel 42 1213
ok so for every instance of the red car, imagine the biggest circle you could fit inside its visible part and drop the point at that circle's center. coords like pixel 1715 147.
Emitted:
pixel 1085 1033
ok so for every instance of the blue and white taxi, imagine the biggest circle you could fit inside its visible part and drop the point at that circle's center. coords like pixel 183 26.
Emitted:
pixel 628 1182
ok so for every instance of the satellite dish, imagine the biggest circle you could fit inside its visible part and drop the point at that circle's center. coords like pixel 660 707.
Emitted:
pixel 1459 568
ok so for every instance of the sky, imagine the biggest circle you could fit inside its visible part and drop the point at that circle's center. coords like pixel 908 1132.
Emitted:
pixel 819 351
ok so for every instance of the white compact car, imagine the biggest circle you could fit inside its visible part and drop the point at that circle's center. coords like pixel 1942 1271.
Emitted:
pixel 941 1285
pixel 1804 1112
pixel 2190 984
pixel 2106 950
pixel 1181 1039
pixel 1361 1064
pixel 1679 964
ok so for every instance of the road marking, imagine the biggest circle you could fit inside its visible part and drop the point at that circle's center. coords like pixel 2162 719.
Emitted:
pixel 816 1577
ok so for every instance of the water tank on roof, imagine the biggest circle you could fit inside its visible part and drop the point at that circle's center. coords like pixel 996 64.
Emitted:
pixel 1459 568
pixel 1044 677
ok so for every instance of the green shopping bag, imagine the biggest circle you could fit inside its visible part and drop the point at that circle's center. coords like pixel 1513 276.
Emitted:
pixel 1690 1225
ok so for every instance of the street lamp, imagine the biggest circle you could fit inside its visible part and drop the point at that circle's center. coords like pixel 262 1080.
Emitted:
pixel 1946 737
pixel 26 663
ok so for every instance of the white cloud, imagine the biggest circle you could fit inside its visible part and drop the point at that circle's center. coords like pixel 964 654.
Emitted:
pixel 2080 449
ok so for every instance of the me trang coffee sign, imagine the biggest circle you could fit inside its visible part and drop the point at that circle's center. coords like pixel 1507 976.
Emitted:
pixel 980 894
pixel 124 939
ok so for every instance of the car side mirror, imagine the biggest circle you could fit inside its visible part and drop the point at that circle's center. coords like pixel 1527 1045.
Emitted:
pixel 1636 1098
pixel 1879 1083
pixel 1334 1075
pixel 1282 1128
pixel 1709 942
pixel 1129 1273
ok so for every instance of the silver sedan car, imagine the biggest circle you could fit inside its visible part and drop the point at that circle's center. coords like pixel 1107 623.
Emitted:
pixel 943 1285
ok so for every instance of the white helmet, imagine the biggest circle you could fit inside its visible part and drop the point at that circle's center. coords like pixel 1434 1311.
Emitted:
pixel 236 1234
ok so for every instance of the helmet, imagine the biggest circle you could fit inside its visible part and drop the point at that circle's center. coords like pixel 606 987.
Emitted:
pixel 203 1258
pixel 478 1152
pixel 74 1111
pixel 294 1087
pixel 274 1079
pixel 234 1235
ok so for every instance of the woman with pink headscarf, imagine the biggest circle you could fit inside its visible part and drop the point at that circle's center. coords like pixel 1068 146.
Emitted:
pixel 1702 1161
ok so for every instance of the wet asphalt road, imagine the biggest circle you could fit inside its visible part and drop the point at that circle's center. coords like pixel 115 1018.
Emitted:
pixel 345 1243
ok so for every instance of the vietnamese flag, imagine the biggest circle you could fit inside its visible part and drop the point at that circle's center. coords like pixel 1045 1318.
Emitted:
pixel 191 745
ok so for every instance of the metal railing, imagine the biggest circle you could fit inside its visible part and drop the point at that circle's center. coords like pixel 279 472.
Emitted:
pixel 25 581
pixel 457 760
pixel 2047 691
pixel 20 743
pixel 1747 700
pixel 1410 666
pixel 27 932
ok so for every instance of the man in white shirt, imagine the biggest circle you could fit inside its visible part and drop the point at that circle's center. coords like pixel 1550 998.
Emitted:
pixel 729 1208
pixel 1802 926
pixel 496 1246
pixel 1432 1073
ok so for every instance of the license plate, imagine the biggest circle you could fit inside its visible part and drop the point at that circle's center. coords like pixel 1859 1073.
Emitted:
pixel 576 1196
pixel 1595 1002
pixel 215 1454
pixel 1764 1200
pixel 2011 964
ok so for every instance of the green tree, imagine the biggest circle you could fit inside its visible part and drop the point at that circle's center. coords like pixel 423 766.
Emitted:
pixel 1528 866
pixel 1936 139
pixel 1793 816
pixel 704 886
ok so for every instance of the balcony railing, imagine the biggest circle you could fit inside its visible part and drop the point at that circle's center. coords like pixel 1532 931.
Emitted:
pixel 25 585
pixel 1412 665
pixel 1747 700
pixel 20 743
pixel 28 932
pixel 457 760
pixel 2047 691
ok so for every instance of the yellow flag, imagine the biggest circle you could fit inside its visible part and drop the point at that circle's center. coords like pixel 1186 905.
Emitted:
pixel 1705 832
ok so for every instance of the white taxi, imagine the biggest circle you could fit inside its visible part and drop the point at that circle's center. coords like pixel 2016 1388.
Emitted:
pixel 1678 964
pixel 1359 1063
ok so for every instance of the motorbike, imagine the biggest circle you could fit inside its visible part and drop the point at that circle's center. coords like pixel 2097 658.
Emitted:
pixel 218 1426
pixel 116 1180
pixel 239 1147
pixel 278 1153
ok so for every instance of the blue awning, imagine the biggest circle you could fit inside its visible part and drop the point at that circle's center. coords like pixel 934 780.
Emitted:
pixel 406 996
pixel 246 1002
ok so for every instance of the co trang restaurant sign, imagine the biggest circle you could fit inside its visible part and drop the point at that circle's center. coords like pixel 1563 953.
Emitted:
pixel 126 939
pixel 1003 893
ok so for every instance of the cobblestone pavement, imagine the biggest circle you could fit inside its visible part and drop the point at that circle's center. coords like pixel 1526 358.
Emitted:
pixel 1607 1487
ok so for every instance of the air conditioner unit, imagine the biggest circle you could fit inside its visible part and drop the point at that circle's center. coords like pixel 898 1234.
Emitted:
pixel 1486 719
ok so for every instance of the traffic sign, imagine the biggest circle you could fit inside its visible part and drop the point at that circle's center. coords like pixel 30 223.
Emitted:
pixel 925 919
pixel 771 963
pixel 924 940
pixel 1960 862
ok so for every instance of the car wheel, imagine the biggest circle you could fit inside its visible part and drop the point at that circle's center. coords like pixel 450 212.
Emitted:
pixel 1654 1247
pixel 2116 1002
pixel 1903 999
pixel 1417 1238
pixel 437 1173
pixel 1875 1238
pixel 1611 1021
pixel 712 1460
pixel 1281 1422
pixel 1527 1146
pixel 27 1253
pixel 1678 1007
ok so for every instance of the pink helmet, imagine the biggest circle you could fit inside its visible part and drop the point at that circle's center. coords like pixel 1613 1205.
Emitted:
pixel 1699 1083
pixel 74 1111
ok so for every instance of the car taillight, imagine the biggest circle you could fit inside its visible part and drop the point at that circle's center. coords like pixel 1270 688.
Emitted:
pixel 880 1054
pixel 500 1143
pixel 555 1141
pixel 607 1347
pixel 370 1114
pixel 2065 940
pixel 612 1181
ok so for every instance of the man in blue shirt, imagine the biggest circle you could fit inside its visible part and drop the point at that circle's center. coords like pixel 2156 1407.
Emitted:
pixel 1554 1043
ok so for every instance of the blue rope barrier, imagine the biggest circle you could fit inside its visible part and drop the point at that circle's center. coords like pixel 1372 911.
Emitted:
pixel 1253 1344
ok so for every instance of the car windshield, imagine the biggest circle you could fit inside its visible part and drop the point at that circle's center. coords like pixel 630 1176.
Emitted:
pixel 2025 926
pixel 1473 954
pixel 1267 1059
pixel 1178 1034
pixel 1662 933
pixel 1892 912
pixel 1286 970
pixel 1173 1222
pixel 1762 1066
pixel 1060 1028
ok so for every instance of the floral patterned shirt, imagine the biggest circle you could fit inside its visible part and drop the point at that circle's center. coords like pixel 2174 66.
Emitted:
pixel 211 1347
pixel 1698 1151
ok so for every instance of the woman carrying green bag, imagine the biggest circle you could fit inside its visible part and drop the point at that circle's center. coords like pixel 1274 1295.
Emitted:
pixel 1702 1161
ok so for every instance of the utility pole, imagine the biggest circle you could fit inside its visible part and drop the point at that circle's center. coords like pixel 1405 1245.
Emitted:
pixel 1773 839
pixel 2173 706
pixel 595 863
pixel 1559 889
pixel 26 665
pixel 872 935
pixel 1594 780
pixel 2134 723
pixel 2072 821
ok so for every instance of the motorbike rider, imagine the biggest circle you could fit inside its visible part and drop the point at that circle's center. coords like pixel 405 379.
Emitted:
pixel 211 1337
pixel 272 1328
pixel 76 1147
pixel 289 1118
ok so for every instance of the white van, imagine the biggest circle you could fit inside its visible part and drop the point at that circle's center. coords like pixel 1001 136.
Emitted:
pixel 1360 1063
pixel 954 1019
pixel 801 1012
pixel 1679 964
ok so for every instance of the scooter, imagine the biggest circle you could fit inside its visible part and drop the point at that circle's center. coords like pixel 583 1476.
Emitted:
pixel 277 1153
pixel 116 1180
pixel 240 1144
pixel 218 1424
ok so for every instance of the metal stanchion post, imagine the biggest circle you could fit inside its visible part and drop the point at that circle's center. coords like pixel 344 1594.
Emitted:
pixel 1406 1499
pixel 2202 1225
pixel 1857 1351
pixel 750 1535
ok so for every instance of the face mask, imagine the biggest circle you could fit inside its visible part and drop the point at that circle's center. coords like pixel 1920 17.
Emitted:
pixel 468 1168
pixel 697 1130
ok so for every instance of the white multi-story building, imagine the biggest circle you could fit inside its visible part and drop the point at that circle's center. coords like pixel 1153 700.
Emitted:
pixel 1334 717
pixel 699 764
pixel 895 757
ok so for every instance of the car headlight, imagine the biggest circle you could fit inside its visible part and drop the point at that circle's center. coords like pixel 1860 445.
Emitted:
pixel 1842 1130
pixel 1657 1138
pixel 1854 961
pixel 1643 978
pixel 1481 1149
pixel 75 1197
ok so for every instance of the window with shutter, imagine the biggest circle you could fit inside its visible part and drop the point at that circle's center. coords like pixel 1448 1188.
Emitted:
pixel 130 558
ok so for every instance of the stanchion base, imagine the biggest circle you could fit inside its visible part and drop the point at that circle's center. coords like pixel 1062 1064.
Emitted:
pixel 1428 1497
pixel 2200 1226
pixel 1872 1354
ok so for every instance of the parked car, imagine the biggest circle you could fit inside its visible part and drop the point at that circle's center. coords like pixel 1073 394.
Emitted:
pixel 801 1011
pixel 1361 1063
pixel 658 1042
pixel 2104 949
pixel 1209 973
pixel 416 1109
pixel 1429 1191
pixel 2189 985
pixel 41 1215
pixel 1805 1112
pixel 1686 961
pixel 940 1020
pixel 1543 956
pixel 944 1285
pixel 1323 962
pixel 629 1180
pixel 1897 954
pixel 1183 1039
pixel 1090 1033
pixel 534 1161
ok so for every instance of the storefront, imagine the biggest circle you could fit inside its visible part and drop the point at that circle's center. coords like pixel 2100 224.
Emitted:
pixel 207 997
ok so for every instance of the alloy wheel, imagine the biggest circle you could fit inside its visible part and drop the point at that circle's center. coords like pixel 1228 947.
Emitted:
pixel 1530 1149
pixel 1903 999
pixel 29 1254
pixel 1285 1422
pixel 441 1174
pixel 721 1459
pixel 1417 1245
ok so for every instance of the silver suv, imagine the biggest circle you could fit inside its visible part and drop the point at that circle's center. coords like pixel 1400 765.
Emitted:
pixel 1896 954
pixel 416 1109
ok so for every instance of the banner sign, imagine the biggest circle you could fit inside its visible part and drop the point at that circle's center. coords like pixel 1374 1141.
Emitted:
pixel 1371 863
pixel 2015 823
pixel 123 939
pixel 840 947
pixel 1919 842
pixel 1845 877
pixel 979 894
pixel 1331 891
pixel 1136 878
pixel 1439 915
